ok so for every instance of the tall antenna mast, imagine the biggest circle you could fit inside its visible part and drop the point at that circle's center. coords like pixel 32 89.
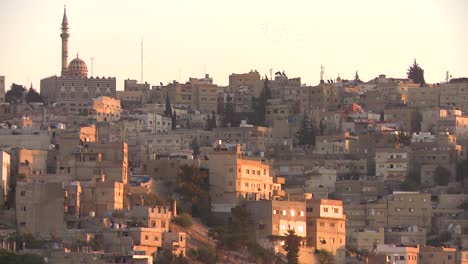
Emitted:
pixel 92 66
pixel 141 60
pixel 322 71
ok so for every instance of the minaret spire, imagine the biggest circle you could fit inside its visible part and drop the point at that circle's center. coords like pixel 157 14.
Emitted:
pixel 64 35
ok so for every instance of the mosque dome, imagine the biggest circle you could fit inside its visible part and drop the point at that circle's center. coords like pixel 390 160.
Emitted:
pixel 77 68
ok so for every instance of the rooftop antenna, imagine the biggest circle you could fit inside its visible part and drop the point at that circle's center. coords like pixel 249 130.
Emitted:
pixel 322 71
pixel 141 80
pixel 92 66
pixel 447 76
pixel 271 73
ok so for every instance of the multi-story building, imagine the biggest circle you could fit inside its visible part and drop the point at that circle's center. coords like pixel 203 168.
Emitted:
pixel 357 191
pixel 2 89
pixel 437 255
pixel 409 209
pixel 326 224
pixel 275 218
pixel 455 94
pixel 251 138
pixel 364 238
pixel 4 175
pixel 395 254
pixel 424 97
pixel 392 164
pixel 105 109
pixel 234 177
pixel 40 209
pixel 101 197
pixel 205 94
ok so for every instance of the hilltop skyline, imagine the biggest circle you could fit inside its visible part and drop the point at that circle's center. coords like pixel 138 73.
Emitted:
pixel 210 38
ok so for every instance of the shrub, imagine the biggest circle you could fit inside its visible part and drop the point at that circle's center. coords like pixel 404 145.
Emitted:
pixel 184 220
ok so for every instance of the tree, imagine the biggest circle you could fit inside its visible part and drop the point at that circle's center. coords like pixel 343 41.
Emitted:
pixel 168 109
pixel 305 136
pixel 416 73
pixel 325 257
pixel 8 257
pixel 292 242
pixel 15 94
pixel 195 148
pixel 228 115
pixel 441 176
pixel 356 77
pixel 33 96
pixel 260 103
pixel 174 120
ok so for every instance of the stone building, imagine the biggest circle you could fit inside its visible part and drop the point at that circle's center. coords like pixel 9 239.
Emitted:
pixel 234 177
pixel 326 224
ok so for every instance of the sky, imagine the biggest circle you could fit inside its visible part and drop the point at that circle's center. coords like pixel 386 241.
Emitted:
pixel 188 38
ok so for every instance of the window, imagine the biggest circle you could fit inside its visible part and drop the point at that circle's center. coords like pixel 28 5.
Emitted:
pixel 23 193
pixel 301 213
pixel 293 213
pixel 282 227
pixel 322 224
pixel 300 229
pixel 309 209
pixel 146 237
pixel 275 227
pixel 332 224
pixel 335 210
pixel 325 209
pixel 284 212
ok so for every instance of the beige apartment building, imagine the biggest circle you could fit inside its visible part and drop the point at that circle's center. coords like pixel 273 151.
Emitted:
pixel 101 197
pixel 275 218
pixel 454 94
pixel 40 209
pixel 424 97
pixel 105 109
pixel 326 224
pixel 234 177
pixel 437 255
pixel 392 164
pixel 409 209
pixel 364 238
pixel 251 138
pixel 395 255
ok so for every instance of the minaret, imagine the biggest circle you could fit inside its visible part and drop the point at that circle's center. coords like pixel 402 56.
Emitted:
pixel 64 35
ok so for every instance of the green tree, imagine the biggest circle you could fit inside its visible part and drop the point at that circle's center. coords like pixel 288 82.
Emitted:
pixel 416 73
pixel 228 114
pixel 184 220
pixel 174 120
pixel 15 94
pixel 260 103
pixel 325 257
pixel 33 96
pixel 195 148
pixel 292 242
pixel 306 134
pixel 193 189
pixel 441 176
pixel 168 109
pixel 8 257
pixel 356 77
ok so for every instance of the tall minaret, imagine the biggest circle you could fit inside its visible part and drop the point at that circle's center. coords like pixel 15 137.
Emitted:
pixel 64 35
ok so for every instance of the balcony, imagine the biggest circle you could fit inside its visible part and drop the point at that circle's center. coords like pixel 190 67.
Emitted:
pixel 279 180
pixel 279 193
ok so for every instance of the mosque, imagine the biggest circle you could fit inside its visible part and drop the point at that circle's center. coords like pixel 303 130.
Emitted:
pixel 74 87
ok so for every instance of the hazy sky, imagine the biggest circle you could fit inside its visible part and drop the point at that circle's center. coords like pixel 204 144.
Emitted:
pixel 185 38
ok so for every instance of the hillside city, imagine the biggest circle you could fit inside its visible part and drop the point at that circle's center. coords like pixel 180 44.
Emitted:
pixel 263 170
